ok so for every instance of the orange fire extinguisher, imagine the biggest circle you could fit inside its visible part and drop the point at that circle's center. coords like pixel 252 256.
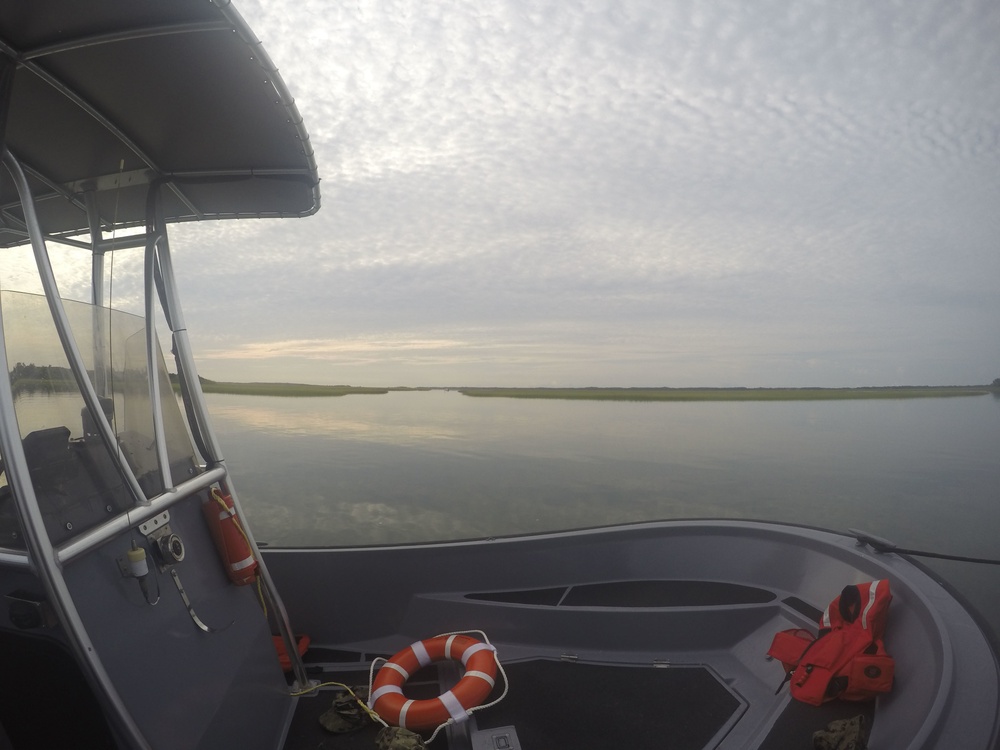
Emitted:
pixel 230 539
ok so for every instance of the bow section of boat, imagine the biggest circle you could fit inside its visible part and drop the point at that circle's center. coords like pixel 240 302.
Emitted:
pixel 632 634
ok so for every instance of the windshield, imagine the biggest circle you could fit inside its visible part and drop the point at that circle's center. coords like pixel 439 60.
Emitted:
pixel 76 480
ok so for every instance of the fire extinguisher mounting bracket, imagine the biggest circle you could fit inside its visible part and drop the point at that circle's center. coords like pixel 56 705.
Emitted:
pixel 150 527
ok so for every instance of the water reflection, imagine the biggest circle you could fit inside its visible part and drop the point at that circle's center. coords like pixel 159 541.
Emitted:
pixel 312 417
pixel 423 466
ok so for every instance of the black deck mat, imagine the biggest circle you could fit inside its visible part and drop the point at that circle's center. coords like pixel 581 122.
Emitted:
pixel 794 728
pixel 555 704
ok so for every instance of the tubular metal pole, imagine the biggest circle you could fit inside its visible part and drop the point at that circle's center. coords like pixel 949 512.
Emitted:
pixel 97 263
pixel 61 321
pixel 99 535
pixel 170 301
pixel 153 370
pixel 39 545
pixel 97 295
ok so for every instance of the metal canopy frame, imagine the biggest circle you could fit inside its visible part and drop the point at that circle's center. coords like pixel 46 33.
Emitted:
pixel 96 112
pixel 47 560
pixel 41 554
pixel 98 135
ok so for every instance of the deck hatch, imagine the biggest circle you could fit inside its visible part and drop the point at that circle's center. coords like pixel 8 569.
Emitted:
pixel 643 708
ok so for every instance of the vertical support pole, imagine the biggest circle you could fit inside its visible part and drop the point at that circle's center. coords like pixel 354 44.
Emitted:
pixel 61 321
pixel 170 301
pixel 152 367
pixel 101 379
pixel 194 397
pixel 97 262
pixel 39 545
pixel 44 563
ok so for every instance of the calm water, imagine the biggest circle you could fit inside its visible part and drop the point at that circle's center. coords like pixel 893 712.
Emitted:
pixel 417 466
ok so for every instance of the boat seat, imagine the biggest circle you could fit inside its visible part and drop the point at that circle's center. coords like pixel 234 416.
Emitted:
pixel 74 480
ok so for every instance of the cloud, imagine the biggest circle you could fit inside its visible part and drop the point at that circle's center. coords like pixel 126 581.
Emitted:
pixel 621 190
pixel 327 349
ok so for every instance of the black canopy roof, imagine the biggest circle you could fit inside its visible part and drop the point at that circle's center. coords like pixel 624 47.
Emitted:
pixel 109 95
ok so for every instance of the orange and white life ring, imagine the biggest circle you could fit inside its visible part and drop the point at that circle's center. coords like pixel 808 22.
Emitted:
pixel 388 701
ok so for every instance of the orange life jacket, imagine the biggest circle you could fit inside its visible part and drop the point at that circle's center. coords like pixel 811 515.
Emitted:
pixel 847 660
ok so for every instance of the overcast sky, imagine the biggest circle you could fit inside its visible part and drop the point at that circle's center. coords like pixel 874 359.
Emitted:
pixel 622 193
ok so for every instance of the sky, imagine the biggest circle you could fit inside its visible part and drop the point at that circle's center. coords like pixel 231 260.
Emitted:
pixel 602 193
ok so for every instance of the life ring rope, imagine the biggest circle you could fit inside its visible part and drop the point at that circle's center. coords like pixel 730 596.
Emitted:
pixel 456 710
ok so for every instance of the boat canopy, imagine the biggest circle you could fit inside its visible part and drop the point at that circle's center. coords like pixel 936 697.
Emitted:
pixel 109 97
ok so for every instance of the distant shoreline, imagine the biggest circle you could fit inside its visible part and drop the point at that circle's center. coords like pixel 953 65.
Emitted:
pixel 731 394
pixel 614 394
pixel 286 389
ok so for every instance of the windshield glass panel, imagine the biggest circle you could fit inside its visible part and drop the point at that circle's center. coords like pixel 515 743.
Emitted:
pixel 76 480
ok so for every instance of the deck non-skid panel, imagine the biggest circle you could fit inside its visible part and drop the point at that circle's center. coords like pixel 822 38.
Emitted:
pixel 799 721
pixel 557 704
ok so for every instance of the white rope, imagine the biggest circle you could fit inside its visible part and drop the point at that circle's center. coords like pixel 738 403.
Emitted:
pixel 371 699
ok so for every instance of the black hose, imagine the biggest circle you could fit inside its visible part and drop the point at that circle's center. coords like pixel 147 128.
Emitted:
pixel 884 545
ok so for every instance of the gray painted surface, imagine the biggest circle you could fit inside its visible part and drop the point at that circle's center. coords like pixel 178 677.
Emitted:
pixel 378 600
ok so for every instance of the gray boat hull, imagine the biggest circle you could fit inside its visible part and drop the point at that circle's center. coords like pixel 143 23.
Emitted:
pixel 622 596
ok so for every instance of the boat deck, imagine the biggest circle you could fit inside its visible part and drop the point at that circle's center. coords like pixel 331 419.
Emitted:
pixel 44 699
pixel 598 698
pixel 554 703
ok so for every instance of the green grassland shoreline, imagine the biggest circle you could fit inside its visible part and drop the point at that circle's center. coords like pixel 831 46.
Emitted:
pixel 731 394
pixel 286 389
pixel 614 394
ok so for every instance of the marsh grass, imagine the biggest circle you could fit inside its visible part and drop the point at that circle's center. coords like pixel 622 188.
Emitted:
pixel 728 394
pixel 612 394
pixel 286 389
